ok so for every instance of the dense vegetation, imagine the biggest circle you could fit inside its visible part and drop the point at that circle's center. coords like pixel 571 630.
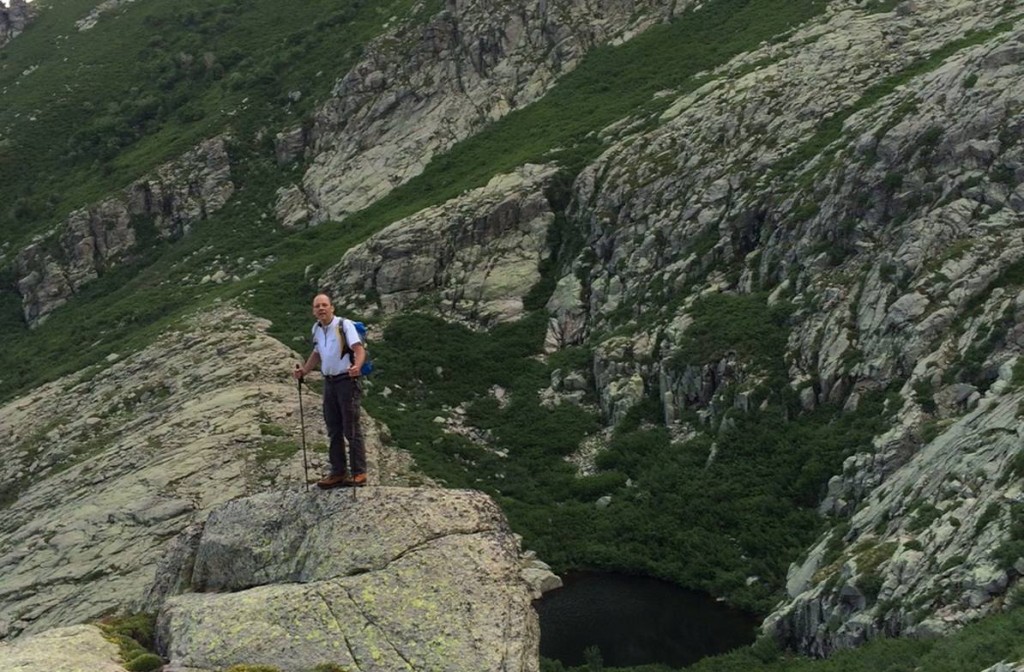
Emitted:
pixel 131 303
pixel 675 512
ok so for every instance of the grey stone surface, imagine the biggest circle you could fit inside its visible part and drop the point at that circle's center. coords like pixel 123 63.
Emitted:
pixel 376 579
pixel 108 465
pixel 76 648
pixel 14 16
pixel 473 258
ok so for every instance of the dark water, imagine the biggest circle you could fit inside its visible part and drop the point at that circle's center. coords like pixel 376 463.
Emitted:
pixel 636 620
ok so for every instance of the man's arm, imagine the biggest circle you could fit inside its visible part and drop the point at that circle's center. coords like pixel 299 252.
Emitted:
pixel 312 362
pixel 358 357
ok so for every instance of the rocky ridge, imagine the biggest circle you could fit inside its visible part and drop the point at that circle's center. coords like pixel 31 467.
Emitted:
pixel 423 88
pixel 102 468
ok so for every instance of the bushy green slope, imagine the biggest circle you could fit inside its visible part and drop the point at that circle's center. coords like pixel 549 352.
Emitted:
pixel 85 112
pixel 121 308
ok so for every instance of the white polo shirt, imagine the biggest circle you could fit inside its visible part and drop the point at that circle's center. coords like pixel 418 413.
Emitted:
pixel 327 343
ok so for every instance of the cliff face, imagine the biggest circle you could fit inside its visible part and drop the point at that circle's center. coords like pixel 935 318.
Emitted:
pixel 95 238
pixel 102 468
pixel 472 259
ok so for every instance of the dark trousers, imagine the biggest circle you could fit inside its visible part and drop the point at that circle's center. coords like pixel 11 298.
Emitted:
pixel 341 413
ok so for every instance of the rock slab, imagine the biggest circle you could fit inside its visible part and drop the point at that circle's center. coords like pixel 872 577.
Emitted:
pixel 371 579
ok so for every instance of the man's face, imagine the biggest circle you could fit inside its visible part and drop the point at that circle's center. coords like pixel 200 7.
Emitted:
pixel 322 309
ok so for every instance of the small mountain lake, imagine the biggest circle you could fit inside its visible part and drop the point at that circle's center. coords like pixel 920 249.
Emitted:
pixel 636 620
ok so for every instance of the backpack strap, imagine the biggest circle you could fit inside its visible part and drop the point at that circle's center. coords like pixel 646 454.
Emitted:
pixel 345 350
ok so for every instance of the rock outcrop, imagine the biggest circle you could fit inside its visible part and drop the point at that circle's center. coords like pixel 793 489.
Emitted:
pixel 76 648
pixel 922 554
pixel 97 12
pixel 13 18
pixel 474 258
pixel 368 579
pixel 422 88
pixel 90 240
pixel 101 469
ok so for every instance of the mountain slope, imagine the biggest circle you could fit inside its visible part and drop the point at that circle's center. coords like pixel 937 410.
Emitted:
pixel 782 278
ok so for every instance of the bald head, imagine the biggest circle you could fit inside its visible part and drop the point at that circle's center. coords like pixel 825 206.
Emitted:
pixel 323 309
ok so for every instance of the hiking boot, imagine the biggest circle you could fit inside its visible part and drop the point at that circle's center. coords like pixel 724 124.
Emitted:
pixel 357 481
pixel 332 481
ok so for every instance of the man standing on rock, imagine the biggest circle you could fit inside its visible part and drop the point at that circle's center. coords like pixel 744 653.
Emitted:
pixel 339 352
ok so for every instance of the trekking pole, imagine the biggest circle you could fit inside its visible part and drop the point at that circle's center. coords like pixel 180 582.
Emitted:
pixel 302 424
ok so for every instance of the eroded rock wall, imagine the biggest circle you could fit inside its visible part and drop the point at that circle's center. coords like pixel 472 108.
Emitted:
pixel 90 240
pixel 474 258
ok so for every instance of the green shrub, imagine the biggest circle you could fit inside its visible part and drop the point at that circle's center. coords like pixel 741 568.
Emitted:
pixel 990 513
pixel 588 488
pixel 146 662
pixel 924 395
pixel 924 515
pixel 133 634
pixel 271 429
pixel 951 562
pixel 276 450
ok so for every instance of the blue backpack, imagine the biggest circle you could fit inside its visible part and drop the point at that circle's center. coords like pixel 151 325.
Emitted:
pixel 367 367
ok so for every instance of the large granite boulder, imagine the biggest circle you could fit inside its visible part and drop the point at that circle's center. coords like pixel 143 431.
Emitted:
pixel 370 579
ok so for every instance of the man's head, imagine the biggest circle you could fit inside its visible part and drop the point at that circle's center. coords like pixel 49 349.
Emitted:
pixel 323 310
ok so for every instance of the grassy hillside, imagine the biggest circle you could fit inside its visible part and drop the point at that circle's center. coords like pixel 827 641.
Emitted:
pixel 86 112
